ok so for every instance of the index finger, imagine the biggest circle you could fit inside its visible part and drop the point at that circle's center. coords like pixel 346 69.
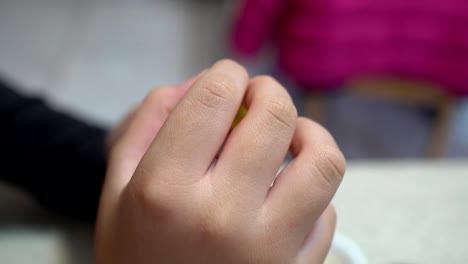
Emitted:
pixel 199 124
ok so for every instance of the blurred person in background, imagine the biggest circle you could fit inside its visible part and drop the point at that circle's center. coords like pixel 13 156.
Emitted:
pixel 170 195
pixel 323 46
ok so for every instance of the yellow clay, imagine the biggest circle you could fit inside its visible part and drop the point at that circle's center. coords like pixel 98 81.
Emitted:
pixel 240 115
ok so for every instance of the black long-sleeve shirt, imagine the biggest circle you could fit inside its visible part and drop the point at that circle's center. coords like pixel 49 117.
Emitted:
pixel 58 159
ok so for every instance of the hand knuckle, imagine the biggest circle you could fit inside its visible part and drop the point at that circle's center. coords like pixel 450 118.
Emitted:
pixel 216 227
pixel 331 164
pixel 282 110
pixel 216 92
pixel 151 200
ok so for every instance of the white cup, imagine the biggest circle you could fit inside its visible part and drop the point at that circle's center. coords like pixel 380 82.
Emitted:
pixel 345 251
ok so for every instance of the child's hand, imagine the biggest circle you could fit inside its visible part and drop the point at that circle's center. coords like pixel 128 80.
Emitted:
pixel 163 202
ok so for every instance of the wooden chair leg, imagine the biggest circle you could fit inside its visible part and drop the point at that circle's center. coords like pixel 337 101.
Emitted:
pixel 441 129
pixel 315 107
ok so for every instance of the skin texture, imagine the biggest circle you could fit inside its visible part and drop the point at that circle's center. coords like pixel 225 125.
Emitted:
pixel 165 202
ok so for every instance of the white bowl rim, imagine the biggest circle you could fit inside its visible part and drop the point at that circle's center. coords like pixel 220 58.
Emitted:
pixel 347 250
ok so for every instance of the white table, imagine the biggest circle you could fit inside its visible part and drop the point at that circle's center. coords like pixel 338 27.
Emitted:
pixel 406 212
pixel 399 212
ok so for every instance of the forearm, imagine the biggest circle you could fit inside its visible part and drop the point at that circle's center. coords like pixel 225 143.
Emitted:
pixel 60 160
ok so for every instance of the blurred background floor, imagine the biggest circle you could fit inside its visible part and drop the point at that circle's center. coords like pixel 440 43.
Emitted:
pixel 101 57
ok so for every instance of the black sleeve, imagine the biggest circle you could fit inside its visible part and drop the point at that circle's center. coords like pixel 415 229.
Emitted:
pixel 59 160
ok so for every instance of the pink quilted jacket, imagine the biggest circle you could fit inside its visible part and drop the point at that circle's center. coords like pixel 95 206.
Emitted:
pixel 322 43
